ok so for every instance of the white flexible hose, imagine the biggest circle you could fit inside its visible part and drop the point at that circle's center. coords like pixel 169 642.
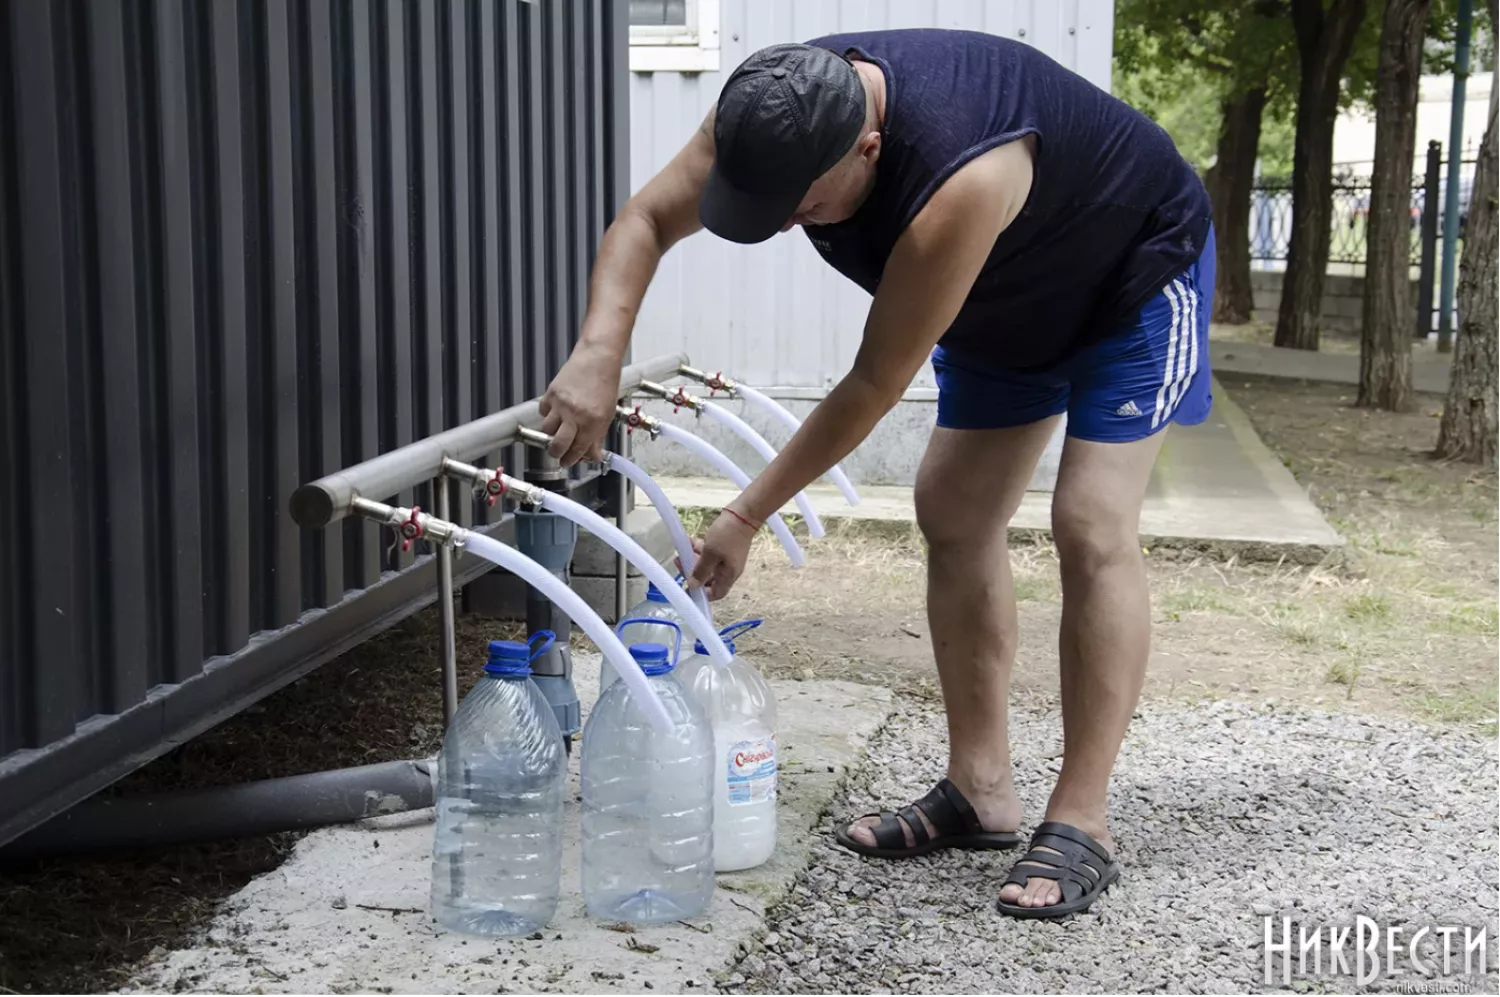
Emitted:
pixel 747 433
pixel 732 471
pixel 775 408
pixel 668 513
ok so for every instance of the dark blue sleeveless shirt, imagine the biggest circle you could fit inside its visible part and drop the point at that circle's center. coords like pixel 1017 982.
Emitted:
pixel 1114 213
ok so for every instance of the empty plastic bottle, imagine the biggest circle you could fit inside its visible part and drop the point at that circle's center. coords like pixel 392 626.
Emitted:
pixel 654 607
pixel 648 803
pixel 742 711
pixel 502 778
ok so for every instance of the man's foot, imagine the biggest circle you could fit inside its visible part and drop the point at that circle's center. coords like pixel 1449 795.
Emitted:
pixel 944 818
pixel 1064 872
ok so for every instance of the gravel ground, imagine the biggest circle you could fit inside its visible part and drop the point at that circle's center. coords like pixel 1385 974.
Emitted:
pixel 1221 814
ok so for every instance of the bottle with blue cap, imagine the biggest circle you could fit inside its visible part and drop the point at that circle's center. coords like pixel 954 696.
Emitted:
pixel 501 783
pixel 648 798
pixel 742 710
pixel 657 612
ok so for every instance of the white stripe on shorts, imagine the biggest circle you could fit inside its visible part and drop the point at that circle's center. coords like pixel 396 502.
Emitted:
pixel 1167 378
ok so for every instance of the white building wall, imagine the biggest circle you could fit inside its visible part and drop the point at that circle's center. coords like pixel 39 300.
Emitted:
pixel 775 315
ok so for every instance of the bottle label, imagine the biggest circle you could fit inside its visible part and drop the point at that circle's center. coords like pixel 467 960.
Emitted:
pixel 752 771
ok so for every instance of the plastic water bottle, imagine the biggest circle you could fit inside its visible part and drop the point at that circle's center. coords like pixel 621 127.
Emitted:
pixel 742 710
pixel 648 803
pixel 502 779
pixel 650 609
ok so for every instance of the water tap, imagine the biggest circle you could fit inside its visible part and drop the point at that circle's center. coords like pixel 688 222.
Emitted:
pixel 634 419
pixel 678 396
pixel 714 382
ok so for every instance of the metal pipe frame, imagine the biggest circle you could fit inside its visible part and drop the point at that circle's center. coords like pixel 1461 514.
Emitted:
pixel 331 497
pixel 445 455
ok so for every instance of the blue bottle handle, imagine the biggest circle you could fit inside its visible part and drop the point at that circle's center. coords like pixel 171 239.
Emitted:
pixel 551 639
pixel 652 621
pixel 733 631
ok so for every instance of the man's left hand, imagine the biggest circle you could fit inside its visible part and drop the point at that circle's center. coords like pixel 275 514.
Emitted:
pixel 722 555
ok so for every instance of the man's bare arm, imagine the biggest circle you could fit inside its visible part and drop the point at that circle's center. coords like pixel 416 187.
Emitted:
pixel 579 404
pixel 928 276
pixel 657 217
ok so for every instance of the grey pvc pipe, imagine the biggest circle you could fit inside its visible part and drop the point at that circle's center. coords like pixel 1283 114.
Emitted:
pixel 295 803
pixel 328 499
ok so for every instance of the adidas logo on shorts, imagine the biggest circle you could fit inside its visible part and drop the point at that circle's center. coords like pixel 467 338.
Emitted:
pixel 1129 408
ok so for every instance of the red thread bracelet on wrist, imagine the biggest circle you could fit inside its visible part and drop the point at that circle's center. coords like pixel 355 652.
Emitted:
pixel 741 518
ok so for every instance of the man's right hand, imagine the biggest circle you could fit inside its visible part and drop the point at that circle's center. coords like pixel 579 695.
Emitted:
pixel 580 404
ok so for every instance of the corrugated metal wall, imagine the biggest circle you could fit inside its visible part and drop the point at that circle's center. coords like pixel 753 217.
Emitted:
pixel 776 314
pixel 244 243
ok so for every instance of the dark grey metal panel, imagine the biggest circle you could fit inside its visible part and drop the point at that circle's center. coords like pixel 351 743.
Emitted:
pixel 243 244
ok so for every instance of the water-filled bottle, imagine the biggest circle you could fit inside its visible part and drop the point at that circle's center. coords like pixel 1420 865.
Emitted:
pixel 648 803
pixel 502 778
pixel 651 609
pixel 742 710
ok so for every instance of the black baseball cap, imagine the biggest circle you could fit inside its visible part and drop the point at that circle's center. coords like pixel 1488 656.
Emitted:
pixel 784 118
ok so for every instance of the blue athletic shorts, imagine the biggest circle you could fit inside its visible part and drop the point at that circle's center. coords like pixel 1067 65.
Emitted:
pixel 1123 388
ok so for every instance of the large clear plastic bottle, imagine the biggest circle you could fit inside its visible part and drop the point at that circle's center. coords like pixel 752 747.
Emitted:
pixel 742 710
pixel 650 609
pixel 502 779
pixel 648 803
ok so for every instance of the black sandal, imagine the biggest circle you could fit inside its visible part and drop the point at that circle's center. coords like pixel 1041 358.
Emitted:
pixel 952 817
pixel 1083 870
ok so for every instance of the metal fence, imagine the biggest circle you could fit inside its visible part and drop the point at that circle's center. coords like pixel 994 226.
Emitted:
pixel 1271 214
pixel 244 243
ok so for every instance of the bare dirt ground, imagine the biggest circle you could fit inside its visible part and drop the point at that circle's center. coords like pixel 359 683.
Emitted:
pixel 1403 622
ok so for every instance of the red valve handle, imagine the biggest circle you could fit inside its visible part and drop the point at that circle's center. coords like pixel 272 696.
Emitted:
pixel 495 487
pixel 633 421
pixel 411 529
pixel 716 382
pixel 679 399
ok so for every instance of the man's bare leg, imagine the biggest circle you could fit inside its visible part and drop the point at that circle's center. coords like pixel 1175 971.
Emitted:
pixel 1105 636
pixel 970 484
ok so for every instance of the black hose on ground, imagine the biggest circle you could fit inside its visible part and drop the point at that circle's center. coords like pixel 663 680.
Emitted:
pixel 193 816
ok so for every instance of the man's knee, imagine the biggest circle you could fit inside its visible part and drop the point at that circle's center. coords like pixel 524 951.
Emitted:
pixel 1092 533
pixel 949 518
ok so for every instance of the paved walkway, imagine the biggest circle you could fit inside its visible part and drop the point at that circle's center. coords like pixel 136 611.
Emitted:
pixel 1216 486
pixel 1429 372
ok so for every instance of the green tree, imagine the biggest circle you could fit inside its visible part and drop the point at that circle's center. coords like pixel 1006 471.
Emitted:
pixel 1385 339
pixel 1211 74
pixel 1468 430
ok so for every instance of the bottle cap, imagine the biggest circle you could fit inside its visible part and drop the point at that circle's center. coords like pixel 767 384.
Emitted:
pixel 654 658
pixel 513 658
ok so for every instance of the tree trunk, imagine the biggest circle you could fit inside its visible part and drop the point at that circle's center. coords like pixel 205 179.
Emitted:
pixel 1385 342
pixel 1230 182
pixel 1468 431
pixel 1323 44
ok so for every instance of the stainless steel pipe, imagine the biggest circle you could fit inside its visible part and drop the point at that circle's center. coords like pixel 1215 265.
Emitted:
pixel 331 497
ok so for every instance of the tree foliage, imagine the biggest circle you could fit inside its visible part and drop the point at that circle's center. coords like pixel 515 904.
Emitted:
pixel 1179 60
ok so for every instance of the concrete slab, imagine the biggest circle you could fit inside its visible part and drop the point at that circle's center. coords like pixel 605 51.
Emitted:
pixel 1429 371
pixel 348 911
pixel 1216 486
